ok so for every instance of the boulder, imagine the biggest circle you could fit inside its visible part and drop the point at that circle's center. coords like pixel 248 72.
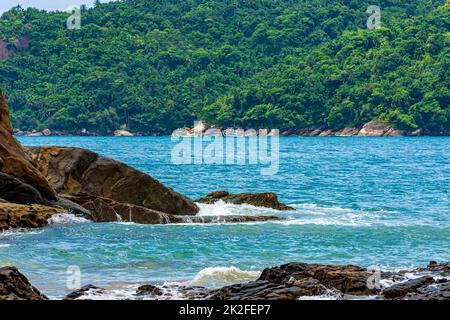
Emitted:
pixel 16 191
pixel 402 289
pixel 25 216
pixel 438 291
pixel 123 133
pixel 268 200
pixel 46 132
pixel 15 286
pixel 374 129
pixel 75 170
pixel 225 219
pixel 83 291
pixel 15 162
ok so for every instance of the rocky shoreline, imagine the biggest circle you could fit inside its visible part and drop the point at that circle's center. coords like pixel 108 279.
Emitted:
pixel 292 281
pixel 370 129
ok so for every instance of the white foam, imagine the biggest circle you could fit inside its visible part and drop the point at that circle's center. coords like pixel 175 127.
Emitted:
pixel 67 218
pixel 216 277
pixel 6 245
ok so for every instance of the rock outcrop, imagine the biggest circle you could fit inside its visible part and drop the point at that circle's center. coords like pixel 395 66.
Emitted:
pixel 378 129
pixel 15 286
pixel 268 200
pixel 16 191
pixel 75 170
pixel 25 216
pixel 15 162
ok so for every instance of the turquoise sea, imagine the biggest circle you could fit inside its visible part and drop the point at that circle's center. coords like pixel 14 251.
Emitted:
pixel 364 201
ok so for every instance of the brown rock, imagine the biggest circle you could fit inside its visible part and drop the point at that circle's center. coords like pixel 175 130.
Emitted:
pixel 74 170
pixel 15 286
pixel 13 159
pixel 374 129
pixel 25 216
pixel 268 200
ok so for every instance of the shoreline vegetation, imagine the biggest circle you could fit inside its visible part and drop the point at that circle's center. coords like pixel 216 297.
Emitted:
pixel 290 281
pixel 153 67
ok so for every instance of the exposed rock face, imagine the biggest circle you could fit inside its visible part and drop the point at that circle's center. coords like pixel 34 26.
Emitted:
pixel 25 216
pixel 16 191
pixel 268 200
pixel 74 170
pixel 15 286
pixel 123 133
pixel 375 129
pixel 13 159
pixel 402 289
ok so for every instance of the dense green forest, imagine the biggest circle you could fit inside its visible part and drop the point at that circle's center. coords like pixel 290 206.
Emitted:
pixel 156 65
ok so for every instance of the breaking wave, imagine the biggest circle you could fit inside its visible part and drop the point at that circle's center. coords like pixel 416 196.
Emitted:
pixel 67 218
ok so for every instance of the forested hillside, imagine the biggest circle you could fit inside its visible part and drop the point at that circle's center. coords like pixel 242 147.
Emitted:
pixel 156 65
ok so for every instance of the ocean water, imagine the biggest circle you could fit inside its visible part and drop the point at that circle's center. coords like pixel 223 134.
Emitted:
pixel 364 201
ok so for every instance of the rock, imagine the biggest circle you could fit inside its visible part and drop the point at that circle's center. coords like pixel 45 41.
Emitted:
pixel 225 219
pixel 438 291
pixel 439 268
pixel 25 216
pixel 13 159
pixel 402 289
pixel 326 133
pixel 268 200
pixel 416 133
pixel 148 289
pixel 347 132
pixel 16 191
pixel 107 210
pixel 46 132
pixel 374 129
pixel 394 133
pixel 75 170
pixel 123 133
pixel 15 286
pixel 81 292
pixel 347 279
pixel 315 133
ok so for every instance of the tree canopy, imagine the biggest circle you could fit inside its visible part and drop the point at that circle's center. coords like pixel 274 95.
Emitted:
pixel 156 65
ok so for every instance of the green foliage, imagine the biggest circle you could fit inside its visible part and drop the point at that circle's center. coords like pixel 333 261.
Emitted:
pixel 154 66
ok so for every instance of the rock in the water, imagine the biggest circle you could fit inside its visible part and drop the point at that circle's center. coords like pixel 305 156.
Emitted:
pixel 402 289
pixel 74 170
pixel 438 291
pixel 16 191
pixel 347 279
pixel 148 289
pixel 268 200
pixel 107 210
pixel 15 286
pixel 226 219
pixel 14 160
pixel 25 216
pixel 83 291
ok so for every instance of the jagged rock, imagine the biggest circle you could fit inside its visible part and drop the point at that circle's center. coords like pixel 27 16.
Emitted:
pixel 15 286
pixel 402 289
pixel 106 210
pixel 268 200
pixel 226 219
pixel 13 159
pixel 347 279
pixel 25 216
pixel 438 291
pixel 81 292
pixel 148 289
pixel 75 170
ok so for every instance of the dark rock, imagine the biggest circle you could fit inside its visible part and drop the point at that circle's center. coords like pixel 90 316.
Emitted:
pixel 402 289
pixel 106 210
pixel 226 219
pixel 347 279
pixel 433 266
pixel 438 291
pixel 148 289
pixel 16 191
pixel 25 216
pixel 81 292
pixel 74 170
pixel 14 161
pixel 268 200
pixel 15 286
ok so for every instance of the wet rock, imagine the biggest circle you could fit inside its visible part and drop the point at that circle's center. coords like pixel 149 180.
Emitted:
pixel 437 291
pixel 15 286
pixel 74 170
pixel 25 216
pixel 83 291
pixel 149 289
pixel 106 210
pixel 402 289
pixel 433 266
pixel 226 219
pixel 15 162
pixel 268 200
pixel 347 279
